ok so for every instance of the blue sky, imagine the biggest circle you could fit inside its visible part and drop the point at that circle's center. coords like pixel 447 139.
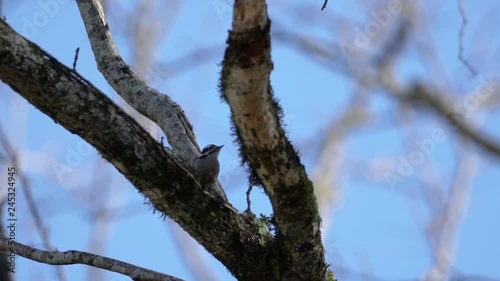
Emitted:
pixel 374 229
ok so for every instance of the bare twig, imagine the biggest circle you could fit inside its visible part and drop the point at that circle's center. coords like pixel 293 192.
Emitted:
pixel 448 222
pixel 249 203
pixel 461 39
pixel 76 257
pixel 324 5
pixel 76 58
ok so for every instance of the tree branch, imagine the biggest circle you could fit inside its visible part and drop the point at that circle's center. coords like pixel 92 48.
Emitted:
pixel 137 273
pixel 441 105
pixel 79 107
pixel 158 107
pixel 461 39
pixel 275 164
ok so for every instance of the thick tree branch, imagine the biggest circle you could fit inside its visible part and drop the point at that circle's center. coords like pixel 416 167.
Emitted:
pixel 158 107
pixel 257 123
pixel 137 273
pixel 79 107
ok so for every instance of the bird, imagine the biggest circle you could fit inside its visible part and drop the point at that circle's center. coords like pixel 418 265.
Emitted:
pixel 207 166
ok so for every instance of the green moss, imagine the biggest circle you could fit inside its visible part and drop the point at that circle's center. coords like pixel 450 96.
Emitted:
pixel 276 268
pixel 329 273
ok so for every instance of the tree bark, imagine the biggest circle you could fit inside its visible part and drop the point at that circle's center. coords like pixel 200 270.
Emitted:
pixel 164 176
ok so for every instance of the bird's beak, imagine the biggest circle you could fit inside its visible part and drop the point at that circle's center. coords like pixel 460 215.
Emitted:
pixel 220 147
